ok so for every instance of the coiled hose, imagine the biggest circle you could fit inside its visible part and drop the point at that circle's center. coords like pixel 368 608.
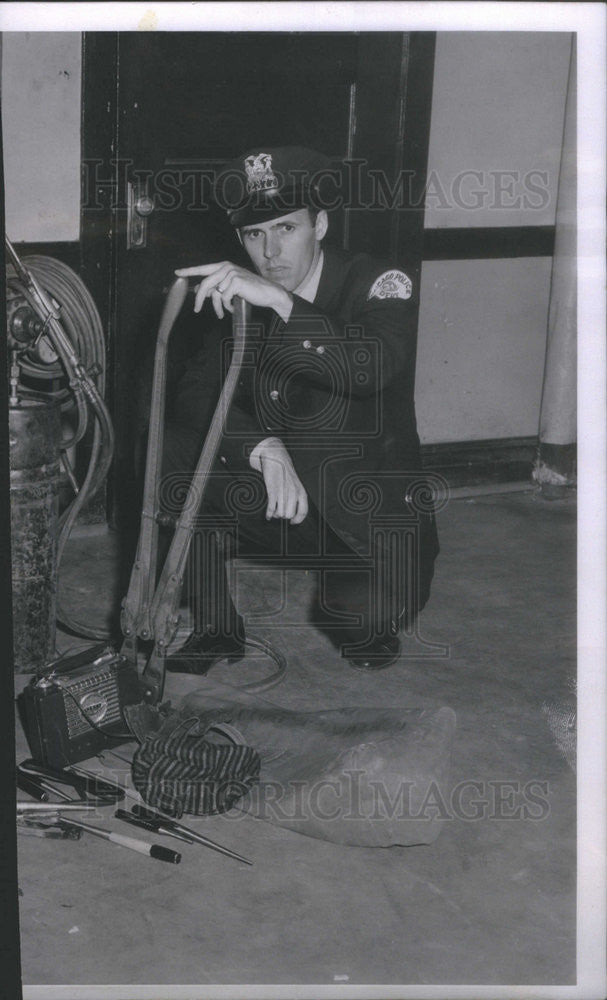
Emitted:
pixel 73 327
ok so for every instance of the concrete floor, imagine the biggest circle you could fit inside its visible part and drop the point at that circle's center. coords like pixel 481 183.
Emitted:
pixel 491 901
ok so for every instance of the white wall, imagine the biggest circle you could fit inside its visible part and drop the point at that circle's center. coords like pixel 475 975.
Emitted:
pixel 41 87
pixel 498 105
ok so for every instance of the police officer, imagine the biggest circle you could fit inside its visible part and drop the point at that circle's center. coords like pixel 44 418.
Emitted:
pixel 321 433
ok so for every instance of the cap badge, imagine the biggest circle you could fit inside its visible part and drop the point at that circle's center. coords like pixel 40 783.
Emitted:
pixel 260 176
pixel 391 285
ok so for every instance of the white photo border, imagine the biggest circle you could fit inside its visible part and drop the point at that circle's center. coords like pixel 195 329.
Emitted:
pixel 588 22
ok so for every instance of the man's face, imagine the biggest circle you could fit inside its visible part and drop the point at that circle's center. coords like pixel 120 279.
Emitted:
pixel 283 250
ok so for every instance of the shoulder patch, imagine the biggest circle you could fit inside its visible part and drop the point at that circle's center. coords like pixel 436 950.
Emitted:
pixel 391 285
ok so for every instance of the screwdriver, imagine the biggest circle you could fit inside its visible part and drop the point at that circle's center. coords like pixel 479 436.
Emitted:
pixel 141 846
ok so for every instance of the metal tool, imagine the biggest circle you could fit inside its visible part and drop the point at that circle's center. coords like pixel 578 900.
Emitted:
pixel 150 611
pixel 53 807
pixel 32 786
pixel 41 789
pixel 46 826
pixel 141 846
pixel 155 818
pixel 92 789
pixel 145 824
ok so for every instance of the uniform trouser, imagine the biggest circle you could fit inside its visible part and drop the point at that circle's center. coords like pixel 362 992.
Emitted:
pixel 359 596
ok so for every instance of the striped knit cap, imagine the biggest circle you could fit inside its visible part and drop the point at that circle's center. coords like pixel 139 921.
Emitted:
pixel 183 773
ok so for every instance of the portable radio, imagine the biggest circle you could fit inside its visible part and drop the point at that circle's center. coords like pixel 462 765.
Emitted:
pixel 75 709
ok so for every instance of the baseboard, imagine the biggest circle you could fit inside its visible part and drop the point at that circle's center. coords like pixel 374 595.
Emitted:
pixel 472 463
pixel 486 243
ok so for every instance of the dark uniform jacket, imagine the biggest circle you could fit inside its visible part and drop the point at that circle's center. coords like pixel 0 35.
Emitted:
pixel 336 384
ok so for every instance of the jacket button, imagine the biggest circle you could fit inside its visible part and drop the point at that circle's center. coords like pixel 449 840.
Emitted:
pixel 307 344
pixel 274 394
pixel 320 350
pixel 223 459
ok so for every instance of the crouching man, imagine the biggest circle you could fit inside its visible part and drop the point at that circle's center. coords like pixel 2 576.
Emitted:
pixel 318 466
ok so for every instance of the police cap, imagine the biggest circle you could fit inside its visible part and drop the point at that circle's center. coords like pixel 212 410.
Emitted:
pixel 267 183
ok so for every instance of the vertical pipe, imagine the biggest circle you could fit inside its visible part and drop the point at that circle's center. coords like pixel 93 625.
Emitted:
pixel 349 156
pixel 555 466
pixel 35 434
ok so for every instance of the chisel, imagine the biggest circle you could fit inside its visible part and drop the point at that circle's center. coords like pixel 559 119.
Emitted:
pixel 147 814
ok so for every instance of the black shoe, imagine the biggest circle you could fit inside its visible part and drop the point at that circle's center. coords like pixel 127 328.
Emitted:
pixel 201 651
pixel 378 654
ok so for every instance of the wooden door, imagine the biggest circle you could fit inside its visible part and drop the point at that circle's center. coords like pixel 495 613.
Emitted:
pixel 166 110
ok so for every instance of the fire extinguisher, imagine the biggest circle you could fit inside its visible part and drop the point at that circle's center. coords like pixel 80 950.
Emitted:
pixel 56 378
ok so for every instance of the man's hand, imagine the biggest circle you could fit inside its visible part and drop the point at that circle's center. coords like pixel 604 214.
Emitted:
pixel 224 280
pixel 287 497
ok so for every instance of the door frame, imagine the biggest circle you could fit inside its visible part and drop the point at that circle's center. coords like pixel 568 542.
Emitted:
pixel 408 88
pixel 100 176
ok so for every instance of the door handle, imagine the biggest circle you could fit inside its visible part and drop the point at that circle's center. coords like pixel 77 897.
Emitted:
pixel 140 206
